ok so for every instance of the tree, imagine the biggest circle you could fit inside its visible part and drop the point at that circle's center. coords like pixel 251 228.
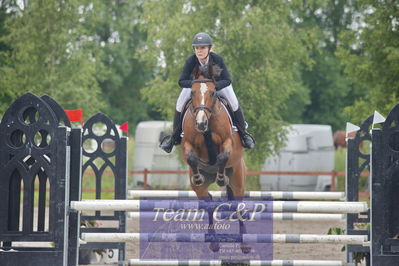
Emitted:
pixel 117 36
pixel 330 88
pixel 6 11
pixel 262 51
pixel 371 55
pixel 47 54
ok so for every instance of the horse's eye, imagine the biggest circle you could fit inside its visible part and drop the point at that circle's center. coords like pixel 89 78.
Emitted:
pixel 192 93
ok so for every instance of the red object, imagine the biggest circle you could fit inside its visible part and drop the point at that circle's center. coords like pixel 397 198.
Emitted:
pixel 74 115
pixel 125 127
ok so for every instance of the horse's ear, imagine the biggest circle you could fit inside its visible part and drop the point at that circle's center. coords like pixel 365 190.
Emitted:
pixel 195 72
pixel 210 70
pixel 217 70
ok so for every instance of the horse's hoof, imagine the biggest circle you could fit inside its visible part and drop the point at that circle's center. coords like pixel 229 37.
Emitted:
pixel 222 180
pixel 198 179
pixel 220 183
pixel 214 246
pixel 245 248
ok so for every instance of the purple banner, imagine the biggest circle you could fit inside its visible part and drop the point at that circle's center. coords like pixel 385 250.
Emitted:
pixel 180 230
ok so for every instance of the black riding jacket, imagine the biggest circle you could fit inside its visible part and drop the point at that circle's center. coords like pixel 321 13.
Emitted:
pixel 186 77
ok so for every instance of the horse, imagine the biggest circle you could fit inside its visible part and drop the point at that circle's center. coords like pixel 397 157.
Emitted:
pixel 211 148
pixel 339 139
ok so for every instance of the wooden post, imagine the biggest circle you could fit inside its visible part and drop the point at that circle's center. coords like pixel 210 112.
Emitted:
pixel 333 178
pixel 145 177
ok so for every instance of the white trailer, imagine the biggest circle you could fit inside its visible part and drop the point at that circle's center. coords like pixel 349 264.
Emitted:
pixel 309 148
pixel 149 156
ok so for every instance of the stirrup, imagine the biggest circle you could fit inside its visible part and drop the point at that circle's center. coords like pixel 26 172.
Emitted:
pixel 248 141
pixel 167 144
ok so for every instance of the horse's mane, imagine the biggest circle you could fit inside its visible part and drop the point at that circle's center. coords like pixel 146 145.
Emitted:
pixel 209 71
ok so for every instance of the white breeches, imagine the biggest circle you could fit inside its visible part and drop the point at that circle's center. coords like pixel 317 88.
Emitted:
pixel 183 98
pixel 229 94
pixel 226 92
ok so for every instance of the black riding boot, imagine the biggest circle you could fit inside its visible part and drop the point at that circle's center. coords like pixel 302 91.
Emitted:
pixel 168 142
pixel 247 140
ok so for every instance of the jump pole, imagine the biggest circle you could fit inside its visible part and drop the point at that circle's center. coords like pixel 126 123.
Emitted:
pixel 316 217
pixel 275 195
pixel 250 262
pixel 226 238
pixel 272 206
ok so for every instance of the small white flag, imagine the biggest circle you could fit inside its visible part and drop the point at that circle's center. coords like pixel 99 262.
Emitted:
pixel 351 128
pixel 378 118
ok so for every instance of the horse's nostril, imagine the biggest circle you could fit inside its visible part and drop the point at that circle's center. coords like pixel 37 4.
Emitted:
pixel 202 126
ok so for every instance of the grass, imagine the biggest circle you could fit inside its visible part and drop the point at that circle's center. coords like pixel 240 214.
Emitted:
pixel 88 181
pixel 340 162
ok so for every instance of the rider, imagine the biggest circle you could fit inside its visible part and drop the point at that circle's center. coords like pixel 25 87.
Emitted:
pixel 202 44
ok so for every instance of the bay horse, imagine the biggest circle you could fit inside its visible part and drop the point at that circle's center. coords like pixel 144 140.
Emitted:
pixel 339 139
pixel 211 148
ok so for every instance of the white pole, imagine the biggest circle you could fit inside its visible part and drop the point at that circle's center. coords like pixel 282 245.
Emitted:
pixel 270 206
pixel 321 217
pixel 234 238
pixel 275 195
pixel 251 262
pixel 319 206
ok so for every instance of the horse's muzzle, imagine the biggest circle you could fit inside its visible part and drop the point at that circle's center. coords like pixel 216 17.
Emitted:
pixel 202 127
pixel 201 120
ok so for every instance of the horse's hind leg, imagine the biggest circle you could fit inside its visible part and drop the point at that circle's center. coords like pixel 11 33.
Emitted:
pixel 235 191
pixel 214 246
pixel 221 161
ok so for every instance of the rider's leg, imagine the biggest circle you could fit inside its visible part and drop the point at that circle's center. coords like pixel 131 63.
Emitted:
pixel 247 139
pixel 168 142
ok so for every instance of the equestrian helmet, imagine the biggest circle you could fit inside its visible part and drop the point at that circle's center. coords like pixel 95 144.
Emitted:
pixel 202 39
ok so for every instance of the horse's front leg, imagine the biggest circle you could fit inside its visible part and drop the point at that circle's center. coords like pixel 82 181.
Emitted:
pixel 222 158
pixel 203 194
pixel 192 160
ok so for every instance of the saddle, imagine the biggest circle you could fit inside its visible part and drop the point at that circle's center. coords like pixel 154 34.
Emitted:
pixel 226 104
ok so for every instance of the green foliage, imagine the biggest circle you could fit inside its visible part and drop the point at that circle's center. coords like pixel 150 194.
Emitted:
pixel 293 61
pixel 260 48
pixel 117 35
pixel 5 93
pixel 337 231
pixel 371 56
pixel 331 92
pixel 330 88
pixel 47 55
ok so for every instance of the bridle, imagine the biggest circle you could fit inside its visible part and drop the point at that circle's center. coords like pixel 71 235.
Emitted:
pixel 204 107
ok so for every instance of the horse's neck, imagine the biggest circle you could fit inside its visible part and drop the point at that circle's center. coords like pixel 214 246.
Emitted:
pixel 220 120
